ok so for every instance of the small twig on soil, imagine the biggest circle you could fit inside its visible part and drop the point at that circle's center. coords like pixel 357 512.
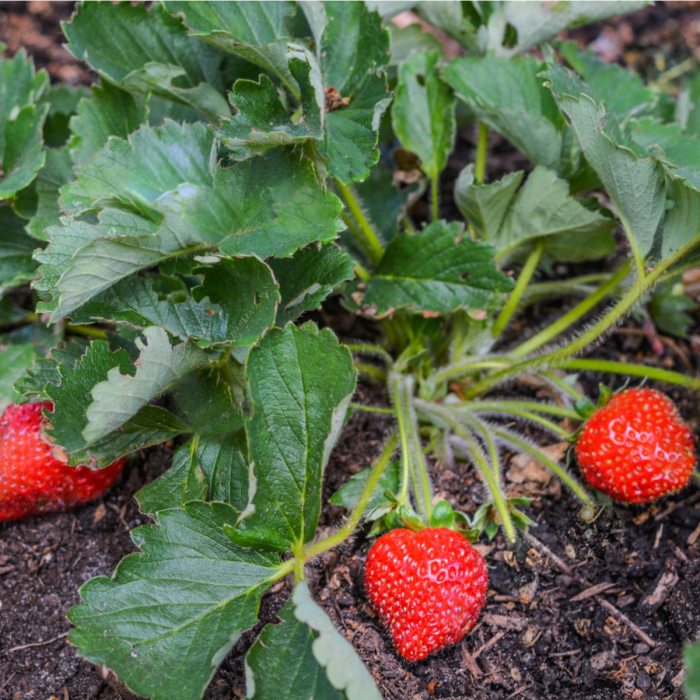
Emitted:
pixel 492 642
pixel 37 644
pixel 678 504
pixel 598 598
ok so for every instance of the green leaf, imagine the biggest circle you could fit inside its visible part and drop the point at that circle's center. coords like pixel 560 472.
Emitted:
pixel 235 303
pixel 635 184
pixel 85 259
pixel 533 23
pixel 137 171
pixel 438 270
pixel 350 145
pixel 16 264
pixel 348 495
pixel 144 49
pixel 300 381
pixel 267 206
pixel 262 120
pixel 172 611
pixel 509 96
pixel 543 208
pixel 308 277
pixel 691 656
pixel 681 225
pixel 45 370
pixel 108 111
pixel 671 308
pixel 423 113
pixel 692 120
pixel 120 396
pixel 332 651
pixel 406 41
pixel 21 122
pixel 15 360
pixel 282 657
pixel 56 172
pixel 71 397
pixel 211 469
pixel 254 31
pixel 622 91
pixel 679 152
pixel 351 48
pixel 485 205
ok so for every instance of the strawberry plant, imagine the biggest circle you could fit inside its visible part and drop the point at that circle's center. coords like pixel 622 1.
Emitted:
pixel 179 225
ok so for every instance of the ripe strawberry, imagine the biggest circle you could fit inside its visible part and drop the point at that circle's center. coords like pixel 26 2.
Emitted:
pixel 32 480
pixel 427 587
pixel 637 448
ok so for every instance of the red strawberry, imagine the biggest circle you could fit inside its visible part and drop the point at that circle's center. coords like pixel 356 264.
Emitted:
pixel 427 587
pixel 637 448
pixel 32 480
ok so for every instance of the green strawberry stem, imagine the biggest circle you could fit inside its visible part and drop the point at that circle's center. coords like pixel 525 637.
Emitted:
pixel 435 196
pixel 583 285
pixel 352 522
pixel 564 386
pixel 634 370
pixel 505 405
pixel 524 446
pixel 511 305
pixel 444 417
pixel 588 337
pixel 414 468
pixel 361 228
pixel 568 319
pixel 481 153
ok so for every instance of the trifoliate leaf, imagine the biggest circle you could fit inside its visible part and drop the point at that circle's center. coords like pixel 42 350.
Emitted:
pixel 172 611
pixel 439 270
pixel 300 381
pixel 236 302
pixel 691 656
pixel 542 210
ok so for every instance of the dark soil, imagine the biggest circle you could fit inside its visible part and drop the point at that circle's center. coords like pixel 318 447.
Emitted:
pixel 577 611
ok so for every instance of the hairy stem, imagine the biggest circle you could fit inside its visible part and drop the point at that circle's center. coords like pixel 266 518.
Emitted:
pixel 435 197
pixel 588 337
pixel 359 510
pixel 556 469
pixel 481 152
pixel 516 295
pixel 579 311
pixel 633 370
pixel 364 233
